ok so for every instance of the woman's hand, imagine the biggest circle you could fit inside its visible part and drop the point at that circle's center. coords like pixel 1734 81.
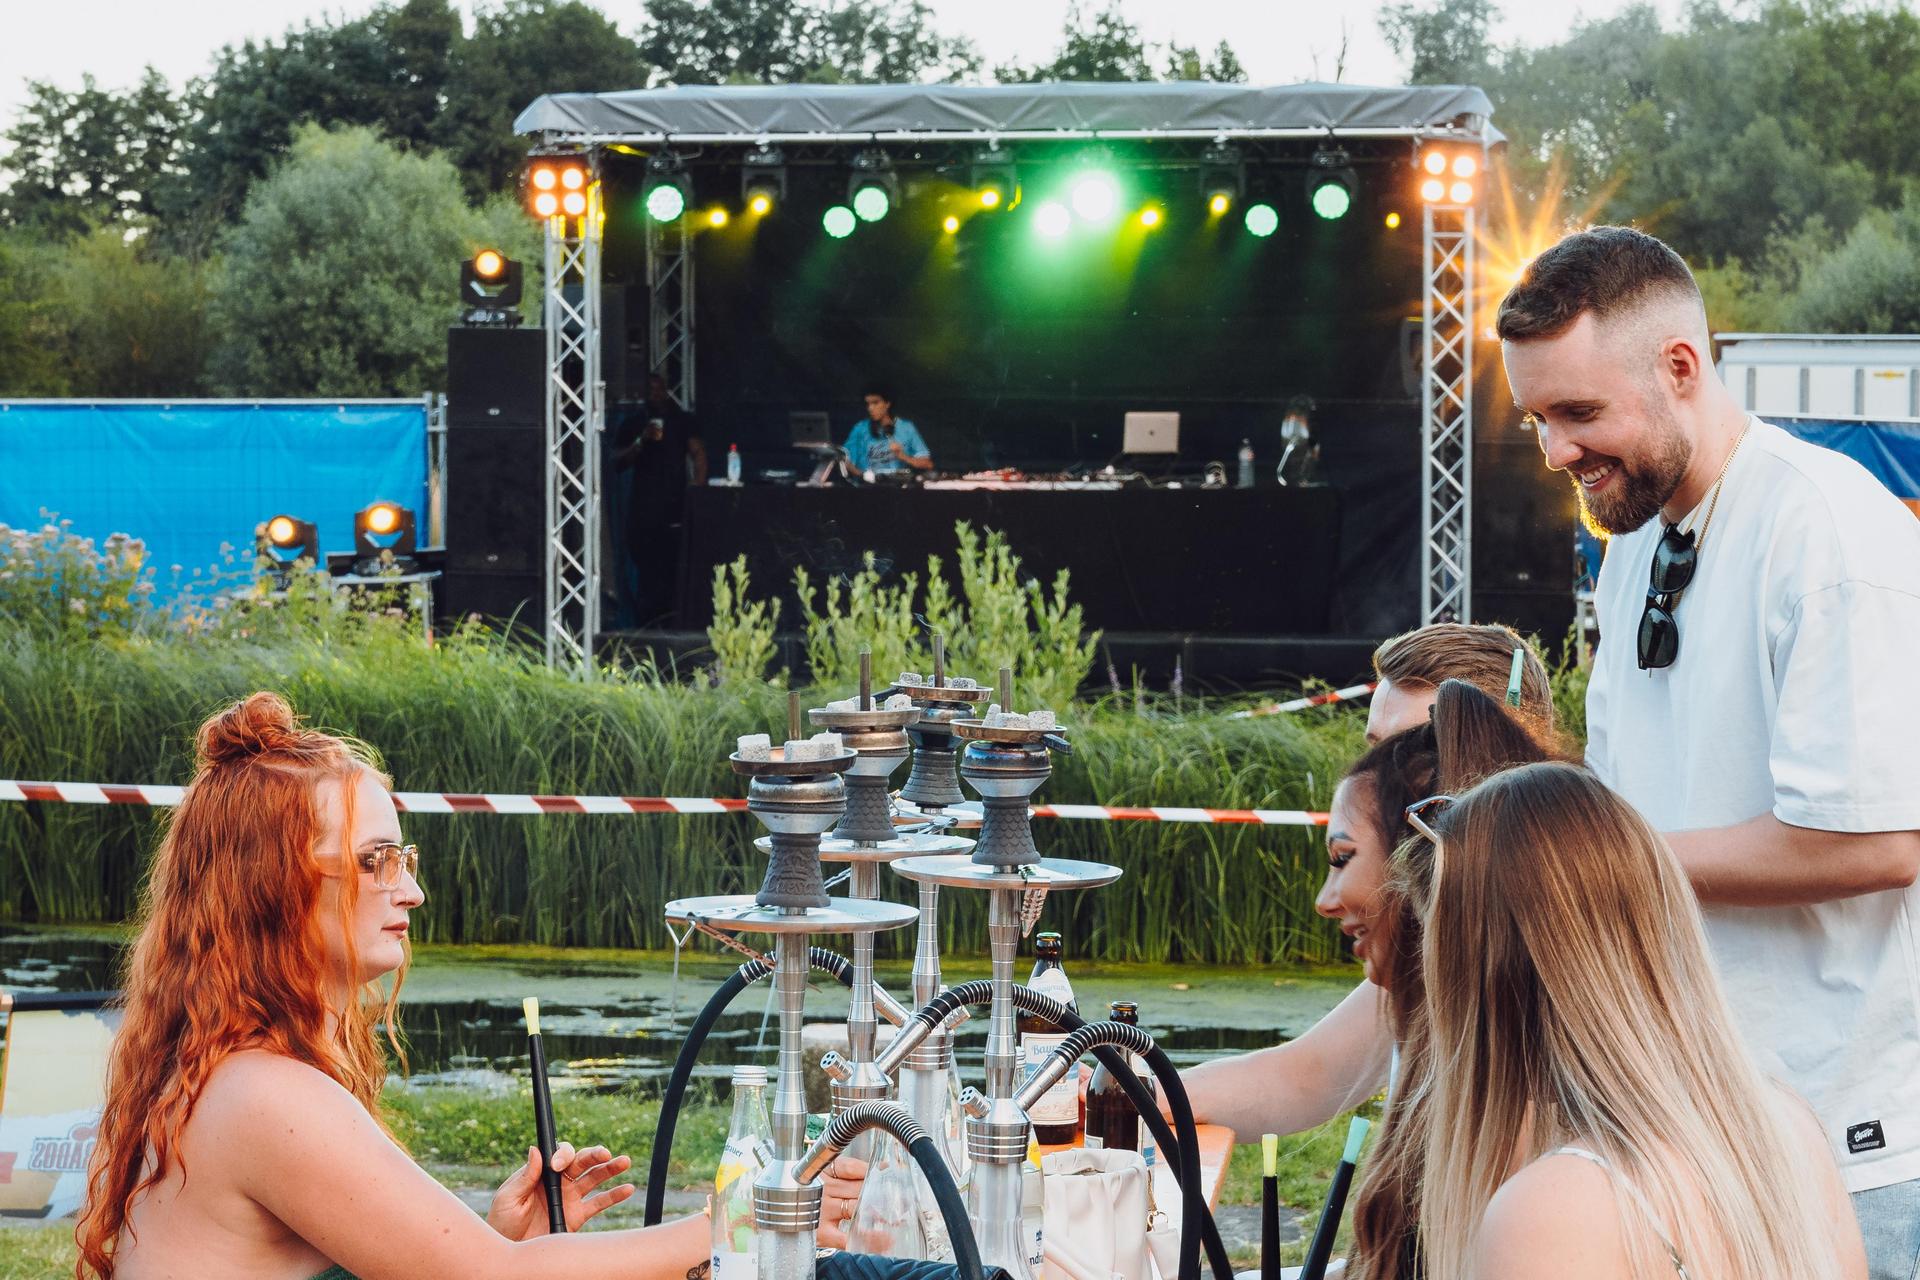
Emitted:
pixel 519 1210
pixel 841 1185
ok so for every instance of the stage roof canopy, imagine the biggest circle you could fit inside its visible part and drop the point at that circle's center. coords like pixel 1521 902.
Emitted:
pixel 882 113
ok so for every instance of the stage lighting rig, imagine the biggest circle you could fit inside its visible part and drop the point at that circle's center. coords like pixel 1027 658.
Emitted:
pixel 1448 175
pixel 490 286
pixel 668 191
pixel 1331 183
pixel 1223 179
pixel 763 179
pixel 282 542
pixel 995 181
pixel 383 538
pixel 557 186
pixel 1262 220
pixel 874 188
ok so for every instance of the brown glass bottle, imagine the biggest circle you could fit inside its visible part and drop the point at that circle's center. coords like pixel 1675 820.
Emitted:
pixel 1056 1116
pixel 1112 1121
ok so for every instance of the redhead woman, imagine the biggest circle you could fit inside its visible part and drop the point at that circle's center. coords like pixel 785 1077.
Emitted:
pixel 241 1136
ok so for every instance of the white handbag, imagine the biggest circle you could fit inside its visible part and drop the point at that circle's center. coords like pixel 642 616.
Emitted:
pixel 1096 1215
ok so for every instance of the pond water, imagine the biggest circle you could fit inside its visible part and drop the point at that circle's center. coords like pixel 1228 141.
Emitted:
pixel 616 1021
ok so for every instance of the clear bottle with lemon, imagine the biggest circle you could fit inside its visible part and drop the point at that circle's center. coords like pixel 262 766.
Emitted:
pixel 749 1150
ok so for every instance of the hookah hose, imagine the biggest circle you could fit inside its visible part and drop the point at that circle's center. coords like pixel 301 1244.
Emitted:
pixel 1197 1225
pixel 843 1128
pixel 745 976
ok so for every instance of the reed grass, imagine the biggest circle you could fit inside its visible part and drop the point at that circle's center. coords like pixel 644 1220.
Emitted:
pixel 480 714
pixel 112 692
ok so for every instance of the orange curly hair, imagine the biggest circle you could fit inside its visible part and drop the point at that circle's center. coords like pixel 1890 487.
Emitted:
pixel 231 953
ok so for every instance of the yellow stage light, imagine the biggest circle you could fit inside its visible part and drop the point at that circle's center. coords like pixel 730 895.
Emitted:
pixel 1436 162
pixel 280 530
pixel 1461 193
pixel 1219 204
pixel 951 224
pixel 383 517
pixel 544 179
pixel 1149 218
pixel 488 264
pixel 546 204
pixel 760 203
pixel 1465 165
pixel 574 203
pixel 990 198
pixel 1393 221
pixel 1433 190
pixel 717 217
pixel 573 179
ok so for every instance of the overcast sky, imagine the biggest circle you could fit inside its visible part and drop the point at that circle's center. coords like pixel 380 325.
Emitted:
pixel 1279 41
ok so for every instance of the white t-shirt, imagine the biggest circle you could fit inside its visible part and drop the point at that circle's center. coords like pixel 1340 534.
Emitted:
pixel 1795 692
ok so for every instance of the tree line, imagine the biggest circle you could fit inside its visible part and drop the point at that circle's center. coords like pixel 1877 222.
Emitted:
pixel 285 225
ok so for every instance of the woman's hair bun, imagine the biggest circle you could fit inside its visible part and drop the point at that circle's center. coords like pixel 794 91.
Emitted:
pixel 257 724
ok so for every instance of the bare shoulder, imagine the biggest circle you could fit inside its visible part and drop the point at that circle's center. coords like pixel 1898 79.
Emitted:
pixel 263 1092
pixel 1555 1217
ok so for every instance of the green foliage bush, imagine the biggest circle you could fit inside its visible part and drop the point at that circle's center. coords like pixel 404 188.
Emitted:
pixel 338 279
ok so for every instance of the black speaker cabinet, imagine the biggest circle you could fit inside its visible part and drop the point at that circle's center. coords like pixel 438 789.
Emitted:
pixel 497 597
pixel 496 500
pixel 496 378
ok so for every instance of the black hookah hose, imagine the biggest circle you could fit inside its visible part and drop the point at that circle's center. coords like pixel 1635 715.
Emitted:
pixel 745 976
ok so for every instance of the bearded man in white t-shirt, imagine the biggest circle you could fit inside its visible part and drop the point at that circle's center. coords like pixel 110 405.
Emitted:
pixel 1755 691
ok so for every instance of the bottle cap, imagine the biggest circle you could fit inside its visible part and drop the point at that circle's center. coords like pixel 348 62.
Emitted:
pixel 749 1075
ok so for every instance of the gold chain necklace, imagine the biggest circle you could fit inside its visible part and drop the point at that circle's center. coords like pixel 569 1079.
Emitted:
pixel 1714 499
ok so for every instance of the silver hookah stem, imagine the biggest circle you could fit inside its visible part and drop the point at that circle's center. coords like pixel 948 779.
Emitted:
pixel 926 952
pixel 790 1098
pixel 1003 940
pixel 860 1013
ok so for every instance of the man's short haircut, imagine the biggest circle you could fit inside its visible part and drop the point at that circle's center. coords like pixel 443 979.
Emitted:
pixel 1480 655
pixel 882 389
pixel 1604 270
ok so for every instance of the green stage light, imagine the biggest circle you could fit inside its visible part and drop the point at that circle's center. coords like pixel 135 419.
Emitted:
pixel 871 202
pixel 1095 196
pixel 1331 199
pixel 1051 219
pixel 666 202
pixel 838 221
pixel 1262 221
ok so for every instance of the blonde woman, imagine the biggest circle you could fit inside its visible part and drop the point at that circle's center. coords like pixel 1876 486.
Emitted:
pixel 1592 1114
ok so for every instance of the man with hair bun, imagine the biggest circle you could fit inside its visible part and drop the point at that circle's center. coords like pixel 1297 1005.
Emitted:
pixel 1752 693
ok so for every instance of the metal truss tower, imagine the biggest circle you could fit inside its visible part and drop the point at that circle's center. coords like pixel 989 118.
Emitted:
pixel 1446 415
pixel 576 417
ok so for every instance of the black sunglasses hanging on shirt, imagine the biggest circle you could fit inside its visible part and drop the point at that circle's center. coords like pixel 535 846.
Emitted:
pixel 1674 560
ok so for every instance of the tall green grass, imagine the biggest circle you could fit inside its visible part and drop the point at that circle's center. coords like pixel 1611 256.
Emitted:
pixel 110 689
pixel 478 714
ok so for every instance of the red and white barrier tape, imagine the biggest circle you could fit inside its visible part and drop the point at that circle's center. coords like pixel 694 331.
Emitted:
pixel 1352 693
pixel 454 802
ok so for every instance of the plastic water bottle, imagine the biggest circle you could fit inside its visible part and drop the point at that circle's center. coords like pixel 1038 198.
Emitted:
pixel 733 464
pixel 736 1254
pixel 1246 464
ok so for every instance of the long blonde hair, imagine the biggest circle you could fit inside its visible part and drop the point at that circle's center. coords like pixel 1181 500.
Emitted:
pixel 1571 999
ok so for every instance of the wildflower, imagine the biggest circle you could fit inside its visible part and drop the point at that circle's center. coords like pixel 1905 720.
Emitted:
pixel 77 605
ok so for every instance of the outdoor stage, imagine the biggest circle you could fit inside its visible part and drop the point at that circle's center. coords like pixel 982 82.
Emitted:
pixel 1023 266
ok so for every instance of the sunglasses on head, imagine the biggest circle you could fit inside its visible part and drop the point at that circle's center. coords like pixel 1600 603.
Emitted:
pixel 1674 560
pixel 1417 814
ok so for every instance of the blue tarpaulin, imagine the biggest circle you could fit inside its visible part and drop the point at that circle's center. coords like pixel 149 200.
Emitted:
pixel 187 477
pixel 1891 450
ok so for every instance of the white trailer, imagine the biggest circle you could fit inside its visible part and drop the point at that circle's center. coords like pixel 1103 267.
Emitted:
pixel 1822 376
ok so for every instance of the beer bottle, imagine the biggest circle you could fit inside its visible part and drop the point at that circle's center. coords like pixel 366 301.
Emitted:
pixel 1056 1117
pixel 1112 1121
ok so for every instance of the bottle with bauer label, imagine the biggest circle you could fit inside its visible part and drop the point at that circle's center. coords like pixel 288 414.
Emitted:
pixel 749 1149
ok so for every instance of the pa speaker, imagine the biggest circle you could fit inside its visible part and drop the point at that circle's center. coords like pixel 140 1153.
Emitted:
pixel 497 378
pixel 496 500
pixel 496 597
